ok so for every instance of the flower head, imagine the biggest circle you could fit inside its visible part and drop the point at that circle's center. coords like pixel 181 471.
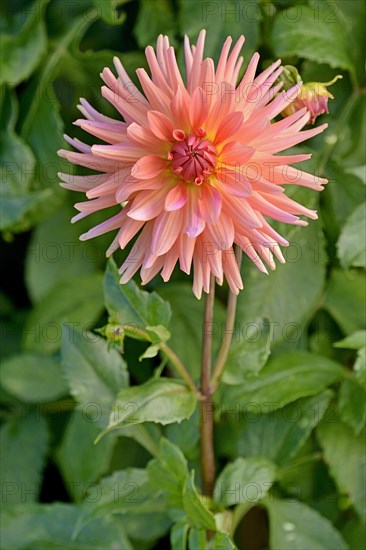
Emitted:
pixel 193 165
pixel 313 95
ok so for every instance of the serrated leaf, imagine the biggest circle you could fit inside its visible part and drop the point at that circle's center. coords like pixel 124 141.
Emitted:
pixel 77 300
pixel 221 20
pixel 128 305
pixel 33 378
pixel 307 33
pixel 295 526
pixel 23 43
pixel 80 461
pixel 23 445
pixel 345 455
pixel 198 515
pixel 60 527
pixel 352 242
pixel 126 491
pixel 278 435
pixel 288 295
pixel 284 379
pixel 344 294
pixel 160 400
pixel 244 480
pixel 93 370
pixel 352 404
pixel 248 353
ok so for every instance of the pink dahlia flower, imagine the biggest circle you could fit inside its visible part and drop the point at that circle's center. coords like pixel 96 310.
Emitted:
pixel 193 164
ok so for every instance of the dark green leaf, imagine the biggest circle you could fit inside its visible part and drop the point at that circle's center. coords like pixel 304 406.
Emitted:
pixel 221 19
pixel 77 300
pixel 60 527
pixel 244 480
pixel 179 536
pixel 295 526
pixel 198 515
pixel 160 400
pixel 248 353
pixel 81 462
pixel 278 435
pixel 284 379
pixel 23 43
pixel 288 295
pixel 33 378
pixel 23 445
pixel 94 372
pixel 345 455
pixel 352 244
pixel 352 404
pixel 154 18
pixel 306 32
pixel 107 9
pixel 128 305
pixel 345 293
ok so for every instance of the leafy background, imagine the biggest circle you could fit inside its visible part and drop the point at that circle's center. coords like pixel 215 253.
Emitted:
pixel 297 364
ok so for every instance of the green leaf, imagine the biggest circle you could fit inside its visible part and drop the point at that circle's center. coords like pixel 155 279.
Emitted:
pixel 93 371
pixel 352 244
pixel 354 534
pixel 23 445
pixel 346 192
pixel 80 461
pixel 244 480
pixel 222 541
pixel 77 300
pixel 56 253
pixel 186 324
pixel 60 527
pixel 160 400
pixel 154 18
pixel 169 473
pixel 186 435
pixel 126 491
pixel 352 404
pixel 284 379
pixel 19 214
pixel 345 293
pixel 360 366
pixel 33 378
pixel 107 9
pixel 345 456
pixel 221 20
pixel 306 32
pixel 198 515
pixel 289 295
pixel 278 435
pixel 197 539
pixel 248 353
pixel 23 43
pixel 128 305
pixel 179 536
pixel 295 526
pixel 357 340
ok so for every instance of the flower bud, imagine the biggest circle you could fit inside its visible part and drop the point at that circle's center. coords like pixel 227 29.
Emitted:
pixel 313 95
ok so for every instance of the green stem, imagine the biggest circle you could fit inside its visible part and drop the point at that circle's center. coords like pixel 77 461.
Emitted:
pixel 168 352
pixel 207 428
pixel 229 327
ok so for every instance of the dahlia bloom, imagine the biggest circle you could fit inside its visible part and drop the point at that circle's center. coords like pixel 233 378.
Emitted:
pixel 193 164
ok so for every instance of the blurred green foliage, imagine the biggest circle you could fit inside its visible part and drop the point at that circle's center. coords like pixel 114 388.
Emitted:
pixel 303 410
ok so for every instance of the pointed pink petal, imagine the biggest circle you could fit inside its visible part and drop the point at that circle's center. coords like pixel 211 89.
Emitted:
pixel 149 167
pixel 176 198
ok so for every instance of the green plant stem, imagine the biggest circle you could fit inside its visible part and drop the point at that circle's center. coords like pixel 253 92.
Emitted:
pixel 207 430
pixel 229 327
pixel 168 352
